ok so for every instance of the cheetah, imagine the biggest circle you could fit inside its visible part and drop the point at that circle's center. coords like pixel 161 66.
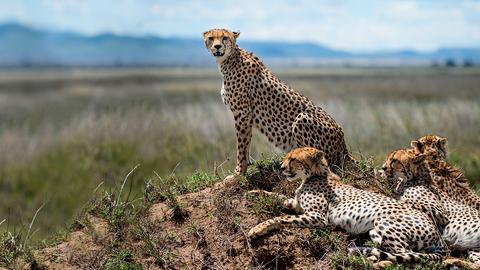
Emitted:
pixel 403 232
pixel 257 98
pixel 415 184
pixel 447 177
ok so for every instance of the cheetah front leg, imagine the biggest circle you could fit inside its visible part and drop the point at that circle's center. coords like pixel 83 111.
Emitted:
pixel 307 220
pixel 474 255
pixel 474 265
pixel 243 128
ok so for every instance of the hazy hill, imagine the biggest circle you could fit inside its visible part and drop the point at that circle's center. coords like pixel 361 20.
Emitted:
pixel 22 46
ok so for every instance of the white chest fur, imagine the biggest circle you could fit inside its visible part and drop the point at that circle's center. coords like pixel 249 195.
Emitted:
pixel 222 92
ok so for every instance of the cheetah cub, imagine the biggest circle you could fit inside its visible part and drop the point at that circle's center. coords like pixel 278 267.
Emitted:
pixel 416 184
pixel 449 178
pixel 322 199
pixel 258 99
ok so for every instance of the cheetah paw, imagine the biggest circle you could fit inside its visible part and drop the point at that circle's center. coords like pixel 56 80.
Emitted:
pixel 382 264
pixel 257 192
pixel 230 178
pixel 255 232
pixel 461 263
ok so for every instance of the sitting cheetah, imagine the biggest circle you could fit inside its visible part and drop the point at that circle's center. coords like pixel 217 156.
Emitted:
pixel 257 98
pixel 322 199
pixel 445 176
pixel 412 172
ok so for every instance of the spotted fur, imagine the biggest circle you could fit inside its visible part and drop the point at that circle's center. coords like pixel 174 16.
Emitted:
pixel 448 178
pixel 322 199
pixel 416 185
pixel 257 98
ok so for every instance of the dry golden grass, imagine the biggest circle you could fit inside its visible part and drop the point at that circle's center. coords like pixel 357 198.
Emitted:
pixel 62 133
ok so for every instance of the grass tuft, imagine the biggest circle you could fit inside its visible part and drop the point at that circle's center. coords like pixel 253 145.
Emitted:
pixel 122 260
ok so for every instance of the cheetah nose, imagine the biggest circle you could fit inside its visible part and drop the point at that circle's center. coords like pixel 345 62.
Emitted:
pixel 218 46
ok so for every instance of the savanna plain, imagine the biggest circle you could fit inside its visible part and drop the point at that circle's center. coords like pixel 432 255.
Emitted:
pixel 68 137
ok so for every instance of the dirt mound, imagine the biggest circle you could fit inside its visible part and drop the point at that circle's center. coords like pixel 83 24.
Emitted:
pixel 206 230
pixel 202 230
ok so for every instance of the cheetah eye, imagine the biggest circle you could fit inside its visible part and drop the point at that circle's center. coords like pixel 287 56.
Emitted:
pixel 210 38
pixel 225 38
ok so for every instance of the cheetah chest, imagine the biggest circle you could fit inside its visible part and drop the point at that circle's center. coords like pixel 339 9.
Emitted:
pixel 222 93
pixel 272 108
pixel 343 208
pixel 353 216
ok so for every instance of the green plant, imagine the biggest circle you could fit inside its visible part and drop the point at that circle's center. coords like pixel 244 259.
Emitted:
pixel 265 204
pixel 199 180
pixel 121 260
pixel 118 212
pixel 10 248
pixel 155 245
pixel 340 260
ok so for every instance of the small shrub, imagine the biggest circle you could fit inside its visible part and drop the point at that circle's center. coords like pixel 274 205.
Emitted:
pixel 266 205
pixel 322 241
pixel 122 260
pixel 264 173
pixel 199 181
pixel 10 248
pixel 179 212
pixel 155 245
pixel 340 260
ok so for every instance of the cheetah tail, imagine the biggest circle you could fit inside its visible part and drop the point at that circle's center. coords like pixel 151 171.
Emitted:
pixel 404 257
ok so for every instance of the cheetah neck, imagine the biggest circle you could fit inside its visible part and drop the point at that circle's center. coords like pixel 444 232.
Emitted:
pixel 228 64
pixel 327 177
pixel 453 182
pixel 423 175
pixel 420 177
pixel 426 177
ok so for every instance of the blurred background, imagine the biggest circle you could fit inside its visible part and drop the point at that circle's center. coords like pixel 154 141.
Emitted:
pixel 90 89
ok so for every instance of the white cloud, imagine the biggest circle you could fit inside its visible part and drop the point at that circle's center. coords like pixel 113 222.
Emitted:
pixel 351 25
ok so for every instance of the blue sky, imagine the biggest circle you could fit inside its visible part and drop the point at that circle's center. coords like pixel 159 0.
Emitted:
pixel 364 25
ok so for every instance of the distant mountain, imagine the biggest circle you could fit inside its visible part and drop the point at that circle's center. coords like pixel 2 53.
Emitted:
pixel 22 46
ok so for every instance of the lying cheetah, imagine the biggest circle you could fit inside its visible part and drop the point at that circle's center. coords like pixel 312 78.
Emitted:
pixel 322 199
pixel 257 98
pixel 445 176
pixel 415 184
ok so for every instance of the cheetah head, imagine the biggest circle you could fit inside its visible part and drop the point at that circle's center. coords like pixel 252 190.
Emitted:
pixel 220 42
pixel 403 166
pixel 435 145
pixel 301 163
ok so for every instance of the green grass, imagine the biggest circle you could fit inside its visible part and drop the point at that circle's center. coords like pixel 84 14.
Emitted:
pixel 265 205
pixel 60 141
pixel 122 260
pixel 349 262
pixel 135 234
pixel 10 248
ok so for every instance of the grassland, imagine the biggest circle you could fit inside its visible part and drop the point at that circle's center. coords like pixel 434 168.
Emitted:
pixel 69 136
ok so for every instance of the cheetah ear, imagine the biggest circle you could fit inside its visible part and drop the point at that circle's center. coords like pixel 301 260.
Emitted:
pixel 416 145
pixel 318 156
pixel 236 34
pixel 442 144
pixel 419 158
pixel 205 33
